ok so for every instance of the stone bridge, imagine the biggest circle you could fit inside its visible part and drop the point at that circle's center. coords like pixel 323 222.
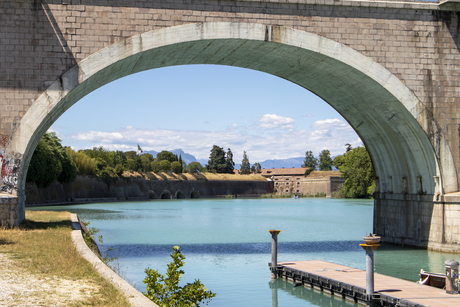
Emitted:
pixel 391 69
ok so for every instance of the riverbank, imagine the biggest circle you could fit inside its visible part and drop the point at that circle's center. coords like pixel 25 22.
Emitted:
pixel 40 266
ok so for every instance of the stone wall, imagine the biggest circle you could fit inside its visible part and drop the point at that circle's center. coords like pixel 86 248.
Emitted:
pixel 95 189
pixel 8 210
pixel 416 41
pixel 307 186
pixel 43 44
pixel 415 220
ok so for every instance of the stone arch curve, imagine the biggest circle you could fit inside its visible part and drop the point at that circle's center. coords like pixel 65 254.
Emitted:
pixel 166 195
pixel 179 195
pixel 194 194
pixel 381 109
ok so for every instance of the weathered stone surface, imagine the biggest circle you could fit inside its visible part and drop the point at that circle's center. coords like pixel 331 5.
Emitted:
pixel 92 189
pixel 390 68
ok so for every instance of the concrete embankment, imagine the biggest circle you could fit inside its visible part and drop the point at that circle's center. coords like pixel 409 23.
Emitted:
pixel 135 298
pixel 87 189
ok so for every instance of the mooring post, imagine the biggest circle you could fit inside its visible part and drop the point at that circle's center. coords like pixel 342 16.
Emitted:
pixel 274 262
pixel 369 248
pixel 370 269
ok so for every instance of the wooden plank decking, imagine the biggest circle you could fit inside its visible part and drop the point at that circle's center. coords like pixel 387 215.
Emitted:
pixel 345 281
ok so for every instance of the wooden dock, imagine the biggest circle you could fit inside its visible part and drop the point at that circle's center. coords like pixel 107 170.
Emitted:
pixel 350 283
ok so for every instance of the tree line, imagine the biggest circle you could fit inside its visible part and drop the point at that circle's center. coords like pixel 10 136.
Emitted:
pixel 51 161
pixel 355 165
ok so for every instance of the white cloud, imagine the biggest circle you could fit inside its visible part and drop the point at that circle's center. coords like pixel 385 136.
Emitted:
pixel 273 121
pixel 260 144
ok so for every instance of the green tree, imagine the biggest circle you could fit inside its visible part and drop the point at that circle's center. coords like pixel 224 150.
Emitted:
pixel 131 154
pixel 166 155
pixel 310 160
pixel 194 167
pixel 69 169
pixel 217 162
pixel 176 167
pixel 245 165
pixel 119 169
pixel 101 154
pixel 50 161
pixel 229 161
pixel 256 168
pixel 85 165
pixel 182 163
pixel 156 167
pixel 357 168
pixel 325 160
pixel 164 290
pixel 145 162
pixel 165 166
pixel 119 157
pixel 101 164
pixel 338 161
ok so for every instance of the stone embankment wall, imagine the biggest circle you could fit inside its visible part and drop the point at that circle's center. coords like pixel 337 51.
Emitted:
pixel 94 189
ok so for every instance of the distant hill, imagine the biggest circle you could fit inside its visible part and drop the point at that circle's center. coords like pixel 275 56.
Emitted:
pixel 185 156
pixel 280 163
pixel 275 163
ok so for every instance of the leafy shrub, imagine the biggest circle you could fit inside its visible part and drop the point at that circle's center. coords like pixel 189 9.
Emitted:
pixel 164 290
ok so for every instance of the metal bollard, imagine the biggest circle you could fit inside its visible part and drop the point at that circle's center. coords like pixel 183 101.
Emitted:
pixel 452 277
pixel 370 248
pixel 274 262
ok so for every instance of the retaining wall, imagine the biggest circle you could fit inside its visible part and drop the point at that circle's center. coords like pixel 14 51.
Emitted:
pixel 95 189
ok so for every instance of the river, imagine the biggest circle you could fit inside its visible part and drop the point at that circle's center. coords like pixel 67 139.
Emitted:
pixel 227 245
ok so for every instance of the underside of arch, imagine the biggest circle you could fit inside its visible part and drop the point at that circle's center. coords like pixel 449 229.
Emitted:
pixel 381 109
pixel 166 195
pixel 179 195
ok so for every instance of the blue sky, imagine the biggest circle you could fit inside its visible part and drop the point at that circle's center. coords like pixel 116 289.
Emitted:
pixel 196 106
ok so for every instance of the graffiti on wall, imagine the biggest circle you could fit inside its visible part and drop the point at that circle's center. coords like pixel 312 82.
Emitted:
pixel 4 140
pixel 9 167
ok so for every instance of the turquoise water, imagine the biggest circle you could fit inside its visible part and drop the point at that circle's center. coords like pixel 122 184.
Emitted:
pixel 228 247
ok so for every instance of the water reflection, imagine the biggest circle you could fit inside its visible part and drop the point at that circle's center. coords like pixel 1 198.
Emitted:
pixel 263 248
pixel 315 297
pixel 228 247
pixel 406 262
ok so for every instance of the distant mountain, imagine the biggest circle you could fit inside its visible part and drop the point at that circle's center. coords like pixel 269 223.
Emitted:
pixel 187 158
pixel 152 152
pixel 276 163
pixel 280 163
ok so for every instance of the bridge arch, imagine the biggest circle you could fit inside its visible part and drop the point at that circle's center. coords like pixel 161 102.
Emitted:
pixel 381 109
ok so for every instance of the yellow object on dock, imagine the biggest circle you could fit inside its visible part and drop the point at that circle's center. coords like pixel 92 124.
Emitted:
pixel 350 283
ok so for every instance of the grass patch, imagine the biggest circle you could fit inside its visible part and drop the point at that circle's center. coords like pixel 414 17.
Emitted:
pixel 201 176
pixel 42 246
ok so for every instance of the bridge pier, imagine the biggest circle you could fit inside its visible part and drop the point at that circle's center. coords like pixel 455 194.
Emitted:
pixel 417 220
pixel 10 213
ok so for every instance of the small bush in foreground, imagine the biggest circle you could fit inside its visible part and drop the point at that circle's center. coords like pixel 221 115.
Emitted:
pixel 164 290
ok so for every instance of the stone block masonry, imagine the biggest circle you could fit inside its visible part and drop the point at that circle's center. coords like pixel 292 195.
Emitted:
pixel 391 68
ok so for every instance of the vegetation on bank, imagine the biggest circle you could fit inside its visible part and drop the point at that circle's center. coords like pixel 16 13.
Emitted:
pixel 355 165
pixel 42 246
pixel 51 161
pixel 164 290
